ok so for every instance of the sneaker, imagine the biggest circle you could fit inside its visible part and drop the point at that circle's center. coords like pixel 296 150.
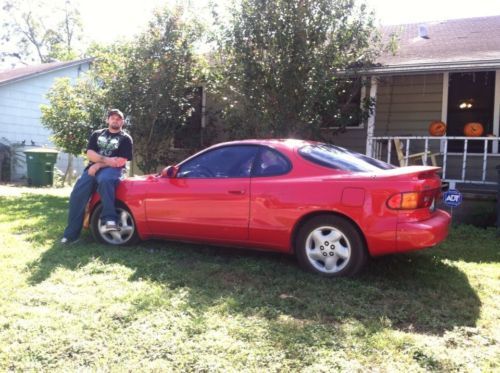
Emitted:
pixel 111 226
pixel 67 241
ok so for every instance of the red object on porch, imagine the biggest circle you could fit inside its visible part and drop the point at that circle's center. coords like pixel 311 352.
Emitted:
pixel 473 129
pixel 437 128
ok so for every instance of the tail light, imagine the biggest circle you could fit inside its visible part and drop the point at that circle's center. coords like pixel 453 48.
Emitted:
pixel 413 200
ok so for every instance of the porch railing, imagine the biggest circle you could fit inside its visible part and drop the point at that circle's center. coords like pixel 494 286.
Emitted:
pixel 382 147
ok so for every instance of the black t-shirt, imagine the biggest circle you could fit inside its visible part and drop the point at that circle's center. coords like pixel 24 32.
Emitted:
pixel 110 144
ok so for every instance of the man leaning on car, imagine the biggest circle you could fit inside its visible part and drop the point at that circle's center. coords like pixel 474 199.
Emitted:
pixel 108 150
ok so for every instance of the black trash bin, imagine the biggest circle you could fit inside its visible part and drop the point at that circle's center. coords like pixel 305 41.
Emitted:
pixel 40 163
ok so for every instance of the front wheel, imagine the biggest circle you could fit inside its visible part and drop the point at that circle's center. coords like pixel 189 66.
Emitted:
pixel 126 235
pixel 330 246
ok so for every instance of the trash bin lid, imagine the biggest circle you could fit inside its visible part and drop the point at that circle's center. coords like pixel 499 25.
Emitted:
pixel 42 150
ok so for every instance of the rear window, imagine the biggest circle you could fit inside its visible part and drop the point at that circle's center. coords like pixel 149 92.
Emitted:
pixel 338 158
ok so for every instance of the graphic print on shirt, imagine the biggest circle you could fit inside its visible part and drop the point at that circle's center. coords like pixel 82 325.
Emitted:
pixel 107 144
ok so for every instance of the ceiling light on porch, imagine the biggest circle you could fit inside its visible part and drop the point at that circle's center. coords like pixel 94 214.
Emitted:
pixel 466 104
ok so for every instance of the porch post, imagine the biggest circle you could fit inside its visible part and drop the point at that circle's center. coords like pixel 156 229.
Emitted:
pixel 496 111
pixel 444 105
pixel 370 125
pixel 444 100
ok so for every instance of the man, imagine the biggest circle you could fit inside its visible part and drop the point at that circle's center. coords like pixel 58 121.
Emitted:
pixel 108 150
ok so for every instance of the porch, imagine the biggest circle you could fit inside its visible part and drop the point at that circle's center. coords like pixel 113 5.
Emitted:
pixel 466 161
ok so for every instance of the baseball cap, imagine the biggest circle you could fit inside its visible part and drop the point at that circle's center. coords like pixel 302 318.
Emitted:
pixel 115 112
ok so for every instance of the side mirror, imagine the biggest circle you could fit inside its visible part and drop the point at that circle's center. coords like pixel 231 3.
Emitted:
pixel 169 171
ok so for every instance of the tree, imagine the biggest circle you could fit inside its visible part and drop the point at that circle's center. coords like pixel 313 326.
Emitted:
pixel 40 31
pixel 152 80
pixel 279 61
pixel 73 113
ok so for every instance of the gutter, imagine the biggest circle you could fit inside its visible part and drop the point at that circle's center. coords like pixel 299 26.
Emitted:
pixel 424 68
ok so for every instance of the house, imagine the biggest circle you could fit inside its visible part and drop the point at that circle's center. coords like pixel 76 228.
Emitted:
pixel 445 71
pixel 22 91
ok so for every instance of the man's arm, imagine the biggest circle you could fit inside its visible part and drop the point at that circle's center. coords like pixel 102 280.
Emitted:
pixel 105 161
pixel 101 161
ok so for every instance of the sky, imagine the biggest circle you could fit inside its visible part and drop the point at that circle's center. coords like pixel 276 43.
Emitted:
pixel 108 20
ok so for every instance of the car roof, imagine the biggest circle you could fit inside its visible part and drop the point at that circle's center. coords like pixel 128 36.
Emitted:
pixel 289 144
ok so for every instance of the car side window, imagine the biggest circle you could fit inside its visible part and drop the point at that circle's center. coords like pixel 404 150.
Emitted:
pixel 224 162
pixel 271 163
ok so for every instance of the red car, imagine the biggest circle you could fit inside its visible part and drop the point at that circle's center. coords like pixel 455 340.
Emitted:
pixel 329 206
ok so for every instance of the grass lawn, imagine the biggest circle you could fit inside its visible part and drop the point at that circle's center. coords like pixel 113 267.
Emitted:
pixel 175 307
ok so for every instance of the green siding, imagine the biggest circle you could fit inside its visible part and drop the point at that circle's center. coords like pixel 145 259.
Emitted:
pixel 407 104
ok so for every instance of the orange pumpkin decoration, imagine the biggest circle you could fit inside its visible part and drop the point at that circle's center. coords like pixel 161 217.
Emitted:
pixel 473 129
pixel 437 128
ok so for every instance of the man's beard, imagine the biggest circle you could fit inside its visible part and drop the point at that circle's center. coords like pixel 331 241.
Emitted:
pixel 116 126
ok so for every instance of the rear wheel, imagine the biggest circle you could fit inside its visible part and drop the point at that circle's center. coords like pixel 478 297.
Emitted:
pixel 127 233
pixel 330 246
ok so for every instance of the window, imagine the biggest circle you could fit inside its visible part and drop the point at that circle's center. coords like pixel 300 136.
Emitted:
pixel 271 163
pixel 341 159
pixel 224 162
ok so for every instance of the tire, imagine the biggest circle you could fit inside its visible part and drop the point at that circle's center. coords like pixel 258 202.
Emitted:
pixel 127 235
pixel 330 246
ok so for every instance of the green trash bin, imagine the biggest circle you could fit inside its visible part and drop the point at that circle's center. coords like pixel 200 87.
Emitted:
pixel 40 163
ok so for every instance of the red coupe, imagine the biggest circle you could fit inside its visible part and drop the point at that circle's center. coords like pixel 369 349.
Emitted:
pixel 329 206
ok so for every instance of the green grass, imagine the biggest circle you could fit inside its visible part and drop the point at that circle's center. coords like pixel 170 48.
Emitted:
pixel 165 306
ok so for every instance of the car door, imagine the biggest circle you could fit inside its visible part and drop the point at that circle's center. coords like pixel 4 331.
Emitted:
pixel 272 204
pixel 208 198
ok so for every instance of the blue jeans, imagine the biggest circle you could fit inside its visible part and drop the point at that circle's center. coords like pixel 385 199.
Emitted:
pixel 105 181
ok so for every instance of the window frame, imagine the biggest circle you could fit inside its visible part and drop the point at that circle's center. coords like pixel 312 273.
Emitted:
pixel 211 150
pixel 258 160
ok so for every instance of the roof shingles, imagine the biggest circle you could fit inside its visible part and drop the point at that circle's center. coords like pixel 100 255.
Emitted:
pixel 11 75
pixel 471 39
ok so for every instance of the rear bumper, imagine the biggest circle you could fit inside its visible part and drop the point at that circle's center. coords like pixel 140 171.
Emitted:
pixel 422 234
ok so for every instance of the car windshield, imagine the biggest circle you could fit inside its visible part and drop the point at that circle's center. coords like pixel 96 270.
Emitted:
pixel 341 159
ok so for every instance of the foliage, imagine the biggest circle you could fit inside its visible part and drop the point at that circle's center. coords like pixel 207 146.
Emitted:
pixel 40 30
pixel 278 65
pixel 74 111
pixel 163 306
pixel 275 72
pixel 151 79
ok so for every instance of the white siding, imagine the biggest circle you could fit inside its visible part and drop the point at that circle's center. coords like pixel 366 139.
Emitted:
pixel 20 113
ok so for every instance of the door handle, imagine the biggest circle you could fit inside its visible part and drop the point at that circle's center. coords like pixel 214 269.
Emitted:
pixel 239 192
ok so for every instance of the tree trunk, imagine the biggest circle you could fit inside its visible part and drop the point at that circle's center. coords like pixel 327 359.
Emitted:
pixel 69 171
